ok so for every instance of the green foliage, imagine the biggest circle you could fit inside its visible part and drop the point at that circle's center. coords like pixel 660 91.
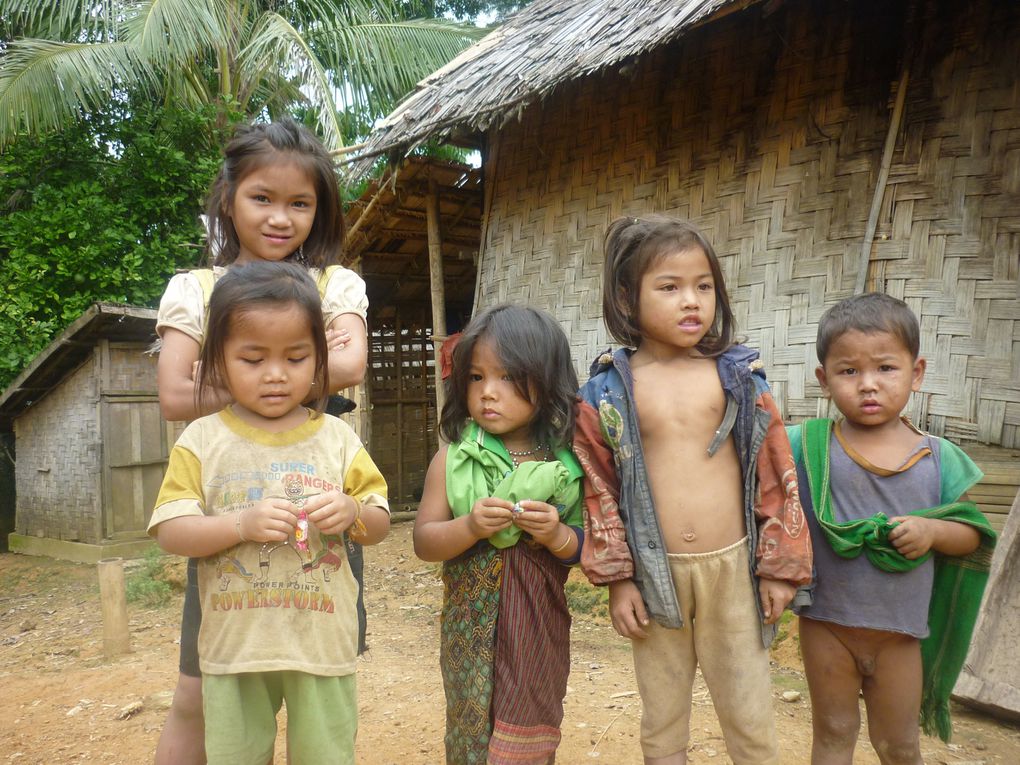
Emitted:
pixel 786 622
pixel 147 586
pixel 466 9
pixel 70 57
pixel 584 598
pixel 106 211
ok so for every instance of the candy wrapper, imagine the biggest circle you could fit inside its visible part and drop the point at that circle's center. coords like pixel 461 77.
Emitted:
pixel 301 532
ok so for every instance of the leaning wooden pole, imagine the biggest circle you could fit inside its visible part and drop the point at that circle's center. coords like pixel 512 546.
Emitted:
pixel 116 639
pixel 861 280
pixel 438 290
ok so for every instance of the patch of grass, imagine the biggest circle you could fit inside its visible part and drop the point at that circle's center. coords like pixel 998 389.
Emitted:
pixel 583 598
pixel 147 585
pixel 786 622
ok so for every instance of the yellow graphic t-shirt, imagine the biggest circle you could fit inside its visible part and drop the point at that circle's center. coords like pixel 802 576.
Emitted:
pixel 279 605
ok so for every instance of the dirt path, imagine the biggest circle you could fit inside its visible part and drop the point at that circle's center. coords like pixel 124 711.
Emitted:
pixel 62 702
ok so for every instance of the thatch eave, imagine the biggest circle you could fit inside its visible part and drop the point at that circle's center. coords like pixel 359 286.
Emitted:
pixel 548 43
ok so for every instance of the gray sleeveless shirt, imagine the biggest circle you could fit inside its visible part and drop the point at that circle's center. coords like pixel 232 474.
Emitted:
pixel 851 591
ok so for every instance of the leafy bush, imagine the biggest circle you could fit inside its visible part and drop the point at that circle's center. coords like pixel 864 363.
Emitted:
pixel 786 625
pixel 147 586
pixel 105 211
pixel 583 598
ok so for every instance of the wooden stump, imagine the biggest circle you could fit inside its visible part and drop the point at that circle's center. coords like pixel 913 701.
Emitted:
pixel 116 639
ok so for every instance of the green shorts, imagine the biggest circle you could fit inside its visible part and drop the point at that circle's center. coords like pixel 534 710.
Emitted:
pixel 240 717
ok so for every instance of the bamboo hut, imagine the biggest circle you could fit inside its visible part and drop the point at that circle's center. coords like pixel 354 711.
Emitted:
pixel 826 148
pixel 91 444
pixel 414 237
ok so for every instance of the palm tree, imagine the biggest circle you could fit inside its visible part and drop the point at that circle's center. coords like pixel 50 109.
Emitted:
pixel 72 57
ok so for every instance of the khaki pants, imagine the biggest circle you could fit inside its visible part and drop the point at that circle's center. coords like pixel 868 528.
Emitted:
pixel 722 634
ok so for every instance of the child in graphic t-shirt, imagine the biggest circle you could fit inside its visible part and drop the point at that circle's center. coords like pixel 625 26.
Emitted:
pixel 262 492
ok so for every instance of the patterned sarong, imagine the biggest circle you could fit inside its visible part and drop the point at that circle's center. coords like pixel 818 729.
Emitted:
pixel 505 632
pixel 466 650
pixel 532 658
pixel 504 654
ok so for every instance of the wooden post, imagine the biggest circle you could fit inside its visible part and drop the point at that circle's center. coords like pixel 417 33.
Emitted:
pixel 438 289
pixel 114 603
pixel 883 177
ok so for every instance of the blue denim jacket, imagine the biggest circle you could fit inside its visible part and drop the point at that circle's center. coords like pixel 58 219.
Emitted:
pixel 749 412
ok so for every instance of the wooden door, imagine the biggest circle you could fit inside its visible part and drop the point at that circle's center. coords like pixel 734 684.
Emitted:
pixel 136 448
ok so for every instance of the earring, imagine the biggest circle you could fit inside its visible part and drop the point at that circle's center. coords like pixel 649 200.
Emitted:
pixel 299 256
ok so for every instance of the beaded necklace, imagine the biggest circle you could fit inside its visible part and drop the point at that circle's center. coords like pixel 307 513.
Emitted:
pixel 544 448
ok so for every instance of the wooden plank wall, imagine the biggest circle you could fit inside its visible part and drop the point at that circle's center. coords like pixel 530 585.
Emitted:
pixel 997 490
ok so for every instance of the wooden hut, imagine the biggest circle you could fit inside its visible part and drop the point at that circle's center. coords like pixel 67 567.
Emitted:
pixel 825 147
pixel 91 444
pixel 414 237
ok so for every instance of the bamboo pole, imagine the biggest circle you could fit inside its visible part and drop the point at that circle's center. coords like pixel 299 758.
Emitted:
pixel 883 178
pixel 438 291
pixel 113 599
pixel 364 213
pixel 347 149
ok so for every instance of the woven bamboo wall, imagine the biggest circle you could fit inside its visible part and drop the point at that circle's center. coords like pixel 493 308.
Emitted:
pixel 59 460
pixel 768 133
pixel 59 469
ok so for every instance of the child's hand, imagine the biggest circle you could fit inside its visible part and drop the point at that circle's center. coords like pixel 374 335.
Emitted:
pixel 775 596
pixel 540 519
pixel 489 515
pixel 337 339
pixel 913 536
pixel 268 520
pixel 332 512
pixel 627 609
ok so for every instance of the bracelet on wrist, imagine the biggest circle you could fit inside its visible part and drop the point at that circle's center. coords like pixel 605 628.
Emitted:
pixel 570 535
pixel 357 527
pixel 237 525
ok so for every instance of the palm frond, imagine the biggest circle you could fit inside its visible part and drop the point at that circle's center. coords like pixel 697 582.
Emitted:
pixel 276 46
pixel 67 20
pixel 168 31
pixel 46 84
pixel 383 61
pixel 274 94
pixel 184 87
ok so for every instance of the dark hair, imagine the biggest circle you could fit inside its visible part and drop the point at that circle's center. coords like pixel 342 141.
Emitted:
pixel 868 313
pixel 634 245
pixel 535 352
pixel 249 287
pixel 255 146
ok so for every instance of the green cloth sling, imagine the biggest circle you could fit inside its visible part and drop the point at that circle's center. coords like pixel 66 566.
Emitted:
pixel 956 590
pixel 478 465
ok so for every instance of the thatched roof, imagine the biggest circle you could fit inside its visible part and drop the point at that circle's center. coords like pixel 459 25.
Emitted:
pixel 110 321
pixel 548 43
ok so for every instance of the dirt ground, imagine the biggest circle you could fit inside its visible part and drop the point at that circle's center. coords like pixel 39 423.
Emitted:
pixel 61 701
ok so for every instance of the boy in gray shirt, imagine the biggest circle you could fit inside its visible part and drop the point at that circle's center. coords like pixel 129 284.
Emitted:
pixel 881 487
